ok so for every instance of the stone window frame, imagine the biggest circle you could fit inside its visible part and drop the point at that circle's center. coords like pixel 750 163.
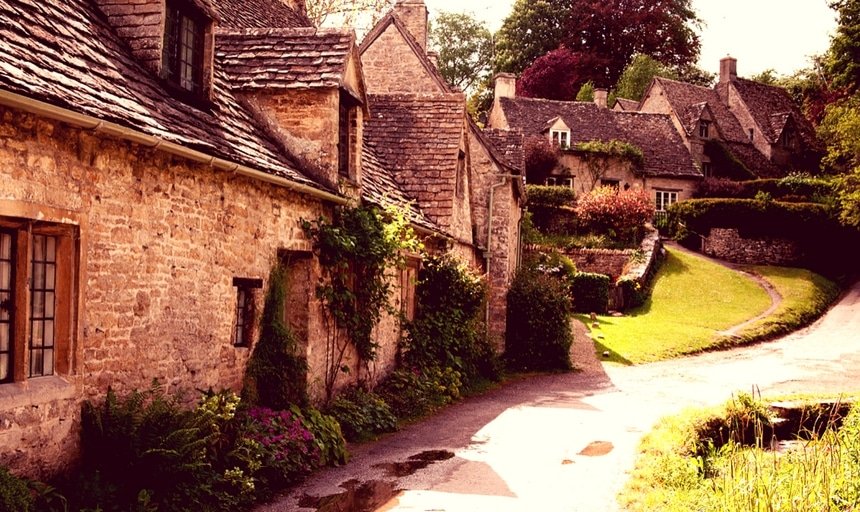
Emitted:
pixel 182 17
pixel 59 344
pixel 664 198
pixel 707 169
pixel 244 322
pixel 704 129
pixel 560 138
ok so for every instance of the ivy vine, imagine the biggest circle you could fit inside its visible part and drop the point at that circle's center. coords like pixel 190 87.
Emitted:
pixel 355 249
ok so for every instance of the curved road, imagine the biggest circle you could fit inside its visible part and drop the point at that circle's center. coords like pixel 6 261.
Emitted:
pixel 565 442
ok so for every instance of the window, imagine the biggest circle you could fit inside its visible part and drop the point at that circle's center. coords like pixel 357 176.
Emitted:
pixel 550 182
pixel 567 182
pixel 704 129
pixel 706 169
pixel 560 137
pixel 347 137
pixel 182 60
pixel 751 134
pixel 408 282
pixel 245 309
pixel 461 174
pixel 35 299
pixel 788 140
pixel 665 199
pixel 616 184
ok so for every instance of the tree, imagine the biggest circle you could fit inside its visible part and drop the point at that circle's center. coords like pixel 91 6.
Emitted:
pixel 346 13
pixel 843 62
pixel 541 157
pixel 558 75
pixel 534 28
pixel 840 130
pixel 586 92
pixel 465 48
pixel 637 76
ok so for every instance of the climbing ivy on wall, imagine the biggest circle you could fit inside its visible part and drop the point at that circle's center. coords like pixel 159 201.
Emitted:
pixel 355 250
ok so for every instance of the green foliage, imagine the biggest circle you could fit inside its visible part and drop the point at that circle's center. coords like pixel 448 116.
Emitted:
pixel 276 375
pixel 533 28
pixel 538 321
pixel 448 330
pixel 465 48
pixel 586 92
pixel 541 158
pixel 362 414
pixel 795 187
pixel 637 76
pixel 549 196
pixel 590 292
pixel 840 129
pixel 613 148
pixel 842 64
pixel 282 444
pixel 415 392
pixel 327 433
pixel 15 495
pixel 724 163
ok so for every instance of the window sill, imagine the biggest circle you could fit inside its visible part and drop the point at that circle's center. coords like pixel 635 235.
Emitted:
pixel 36 391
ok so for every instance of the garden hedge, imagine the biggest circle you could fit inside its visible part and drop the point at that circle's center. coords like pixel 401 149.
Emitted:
pixel 590 292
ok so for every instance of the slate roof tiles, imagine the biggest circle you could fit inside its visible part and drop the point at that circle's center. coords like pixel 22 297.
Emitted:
pixel 284 58
pixel 663 150
pixel 64 53
pixel 238 14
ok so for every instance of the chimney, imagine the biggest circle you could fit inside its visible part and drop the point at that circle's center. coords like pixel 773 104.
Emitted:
pixel 506 85
pixel 413 14
pixel 728 69
pixel 600 97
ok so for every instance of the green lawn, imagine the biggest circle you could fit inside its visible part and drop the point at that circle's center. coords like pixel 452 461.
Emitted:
pixel 693 300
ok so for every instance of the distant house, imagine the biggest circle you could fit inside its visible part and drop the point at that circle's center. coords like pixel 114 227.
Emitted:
pixel 739 129
pixel 600 146
pixel 625 105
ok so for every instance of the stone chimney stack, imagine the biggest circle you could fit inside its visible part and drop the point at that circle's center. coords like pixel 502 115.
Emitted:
pixel 728 69
pixel 600 97
pixel 506 85
pixel 413 13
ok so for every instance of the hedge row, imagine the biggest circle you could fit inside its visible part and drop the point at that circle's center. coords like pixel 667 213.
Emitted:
pixel 549 196
pixel 590 292
pixel 797 189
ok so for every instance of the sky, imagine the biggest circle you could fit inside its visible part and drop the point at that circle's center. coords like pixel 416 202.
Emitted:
pixel 761 34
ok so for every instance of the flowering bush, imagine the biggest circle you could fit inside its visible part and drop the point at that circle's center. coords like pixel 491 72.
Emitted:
pixel 606 210
pixel 287 447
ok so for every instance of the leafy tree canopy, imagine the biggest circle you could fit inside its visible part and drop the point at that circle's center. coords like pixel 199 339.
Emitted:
pixel 638 75
pixel 346 13
pixel 465 48
pixel 534 28
pixel 843 62
pixel 558 75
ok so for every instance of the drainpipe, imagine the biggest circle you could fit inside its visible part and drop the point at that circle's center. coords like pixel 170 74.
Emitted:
pixel 86 122
pixel 488 254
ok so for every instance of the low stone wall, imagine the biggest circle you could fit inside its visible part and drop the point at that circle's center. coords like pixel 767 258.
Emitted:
pixel 727 244
pixel 611 262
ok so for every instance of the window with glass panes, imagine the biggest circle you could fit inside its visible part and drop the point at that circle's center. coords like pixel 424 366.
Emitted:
pixel 42 301
pixel 7 304
pixel 665 199
pixel 183 46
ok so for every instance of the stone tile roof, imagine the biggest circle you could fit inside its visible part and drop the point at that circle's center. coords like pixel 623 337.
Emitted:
pixel 771 107
pixel 753 159
pixel 688 101
pixel 418 138
pixel 626 105
pixel 510 144
pixel 663 150
pixel 238 14
pixel 379 187
pixel 64 53
pixel 284 58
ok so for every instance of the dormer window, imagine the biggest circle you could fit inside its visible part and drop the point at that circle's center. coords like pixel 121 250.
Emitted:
pixel 704 129
pixel 184 34
pixel 560 138
pixel 347 144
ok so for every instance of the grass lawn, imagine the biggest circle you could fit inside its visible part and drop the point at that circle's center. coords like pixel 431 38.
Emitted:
pixel 693 300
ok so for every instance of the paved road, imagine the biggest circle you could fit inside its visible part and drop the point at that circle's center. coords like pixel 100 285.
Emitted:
pixel 565 442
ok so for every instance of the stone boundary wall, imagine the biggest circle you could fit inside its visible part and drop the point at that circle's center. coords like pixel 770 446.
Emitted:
pixel 640 272
pixel 727 244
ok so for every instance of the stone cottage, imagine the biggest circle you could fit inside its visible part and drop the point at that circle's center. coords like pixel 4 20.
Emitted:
pixel 739 129
pixel 663 168
pixel 420 125
pixel 157 157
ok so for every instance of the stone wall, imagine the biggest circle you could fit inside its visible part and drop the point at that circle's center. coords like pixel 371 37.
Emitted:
pixel 610 262
pixel 727 244
pixel 391 66
pixel 160 241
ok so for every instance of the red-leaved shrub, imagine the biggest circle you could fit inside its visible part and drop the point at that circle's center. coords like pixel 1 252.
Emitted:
pixel 605 209
pixel 541 158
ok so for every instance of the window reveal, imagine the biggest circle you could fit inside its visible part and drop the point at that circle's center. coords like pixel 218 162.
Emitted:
pixel 7 281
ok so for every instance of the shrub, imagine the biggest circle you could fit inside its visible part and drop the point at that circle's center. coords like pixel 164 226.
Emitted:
pixel 15 495
pixel 415 392
pixel 605 210
pixel 541 157
pixel 795 187
pixel 276 376
pixel 285 445
pixel 538 319
pixel 553 264
pixel 549 196
pixel 362 414
pixel 719 187
pixel 590 292
pixel 448 330
pixel 328 436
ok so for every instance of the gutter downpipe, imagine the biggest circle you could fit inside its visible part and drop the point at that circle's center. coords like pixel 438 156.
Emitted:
pixel 488 254
pixel 87 122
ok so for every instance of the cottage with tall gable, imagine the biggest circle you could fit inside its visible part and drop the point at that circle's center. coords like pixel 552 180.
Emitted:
pixel 600 146
pixel 157 158
pixel 739 129
pixel 459 178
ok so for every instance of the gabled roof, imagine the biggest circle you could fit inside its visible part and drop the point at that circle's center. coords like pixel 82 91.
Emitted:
pixel 688 100
pixel 237 14
pixel 391 19
pixel 418 138
pixel 63 52
pixel 663 150
pixel 509 144
pixel 770 107
pixel 284 58
pixel 626 105
pixel 379 187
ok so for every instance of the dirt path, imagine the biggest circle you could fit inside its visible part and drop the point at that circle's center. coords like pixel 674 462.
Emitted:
pixel 565 442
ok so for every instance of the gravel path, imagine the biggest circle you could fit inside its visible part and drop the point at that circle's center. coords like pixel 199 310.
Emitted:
pixel 565 442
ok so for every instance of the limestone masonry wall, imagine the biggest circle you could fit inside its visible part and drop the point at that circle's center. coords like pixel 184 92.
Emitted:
pixel 727 244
